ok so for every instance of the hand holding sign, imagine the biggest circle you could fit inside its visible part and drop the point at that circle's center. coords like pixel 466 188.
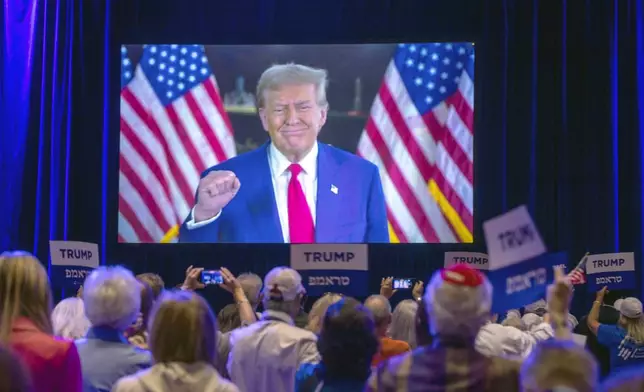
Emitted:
pixel 520 269
pixel 599 297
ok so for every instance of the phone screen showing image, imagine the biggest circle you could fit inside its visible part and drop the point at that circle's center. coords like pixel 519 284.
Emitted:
pixel 402 284
pixel 211 277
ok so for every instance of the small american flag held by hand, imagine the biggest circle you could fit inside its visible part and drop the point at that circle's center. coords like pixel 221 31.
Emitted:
pixel 578 275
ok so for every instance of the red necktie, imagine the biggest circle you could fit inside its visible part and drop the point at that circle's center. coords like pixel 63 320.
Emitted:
pixel 300 221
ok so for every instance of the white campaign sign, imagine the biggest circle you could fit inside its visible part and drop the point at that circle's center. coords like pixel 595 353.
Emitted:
pixel 610 262
pixel 512 238
pixel 475 260
pixel 73 253
pixel 329 257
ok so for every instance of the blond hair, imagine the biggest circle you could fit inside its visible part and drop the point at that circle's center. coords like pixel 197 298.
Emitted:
pixel 634 328
pixel 24 292
pixel 182 329
pixel 559 363
pixel 280 75
pixel 318 310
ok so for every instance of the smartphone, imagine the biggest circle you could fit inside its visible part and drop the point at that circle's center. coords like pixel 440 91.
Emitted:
pixel 211 277
pixel 403 284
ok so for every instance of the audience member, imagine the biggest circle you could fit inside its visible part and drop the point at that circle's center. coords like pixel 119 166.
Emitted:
pixel 228 317
pixel 608 315
pixel 112 303
pixel 458 300
pixel 559 365
pixel 629 380
pixel 423 337
pixel 68 319
pixel 266 354
pixel 13 375
pixel 154 281
pixel 318 310
pixel 625 341
pixel 26 328
pixel 538 307
pixel 510 338
pixel 403 323
pixel 381 309
pixel 183 341
pixel 246 312
pixel 346 344
pixel 137 334
pixel 531 320
pixel 514 322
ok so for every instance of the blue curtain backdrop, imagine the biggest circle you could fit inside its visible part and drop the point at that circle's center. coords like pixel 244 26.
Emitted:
pixel 559 103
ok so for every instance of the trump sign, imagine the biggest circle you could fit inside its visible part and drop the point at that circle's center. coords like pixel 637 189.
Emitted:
pixel 72 261
pixel 338 268
pixel 613 270
pixel 479 261
pixel 519 267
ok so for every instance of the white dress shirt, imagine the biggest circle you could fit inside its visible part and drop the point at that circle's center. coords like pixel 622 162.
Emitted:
pixel 281 177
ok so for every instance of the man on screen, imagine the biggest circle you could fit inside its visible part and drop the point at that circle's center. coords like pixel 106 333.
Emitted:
pixel 293 188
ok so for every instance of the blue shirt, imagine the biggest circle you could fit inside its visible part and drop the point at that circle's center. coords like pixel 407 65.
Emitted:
pixel 309 378
pixel 624 351
pixel 106 356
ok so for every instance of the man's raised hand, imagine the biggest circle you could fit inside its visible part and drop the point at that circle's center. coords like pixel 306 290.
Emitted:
pixel 215 191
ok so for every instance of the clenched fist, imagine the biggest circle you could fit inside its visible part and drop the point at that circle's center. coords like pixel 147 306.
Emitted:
pixel 215 191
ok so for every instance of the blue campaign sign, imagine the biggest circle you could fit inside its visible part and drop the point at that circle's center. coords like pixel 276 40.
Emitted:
pixel 337 268
pixel 72 261
pixel 522 283
pixel 613 270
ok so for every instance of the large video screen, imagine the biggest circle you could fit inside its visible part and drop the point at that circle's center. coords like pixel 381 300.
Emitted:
pixel 364 143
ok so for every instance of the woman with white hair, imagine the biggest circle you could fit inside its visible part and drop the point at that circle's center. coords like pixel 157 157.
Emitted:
pixel 625 341
pixel 112 299
pixel 68 319
pixel 403 322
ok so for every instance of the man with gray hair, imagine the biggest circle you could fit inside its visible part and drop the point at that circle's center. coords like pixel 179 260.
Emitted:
pixel 458 301
pixel 266 355
pixel 381 309
pixel 112 298
pixel 295 189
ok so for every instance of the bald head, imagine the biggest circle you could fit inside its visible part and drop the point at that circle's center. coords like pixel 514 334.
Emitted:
pixel 380 308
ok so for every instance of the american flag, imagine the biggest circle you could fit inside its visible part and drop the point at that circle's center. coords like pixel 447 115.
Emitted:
pixel 173 126
pixel 421 136
pixel 578 274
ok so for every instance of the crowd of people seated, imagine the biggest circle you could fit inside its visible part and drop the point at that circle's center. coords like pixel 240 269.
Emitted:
pixel 128 333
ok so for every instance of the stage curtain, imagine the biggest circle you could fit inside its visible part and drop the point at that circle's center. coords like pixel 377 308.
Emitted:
pixel 52 121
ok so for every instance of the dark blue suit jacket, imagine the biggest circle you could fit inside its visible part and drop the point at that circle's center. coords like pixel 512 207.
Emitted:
pixel 356 214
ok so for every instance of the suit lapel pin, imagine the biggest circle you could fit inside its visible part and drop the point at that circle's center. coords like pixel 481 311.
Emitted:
pixel 334 189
